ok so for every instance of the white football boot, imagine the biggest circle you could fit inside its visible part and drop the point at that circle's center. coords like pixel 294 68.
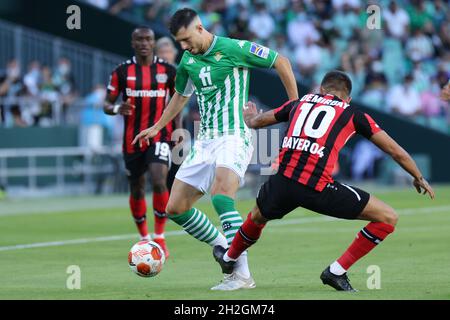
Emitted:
pixel 239 278
pixel 234 281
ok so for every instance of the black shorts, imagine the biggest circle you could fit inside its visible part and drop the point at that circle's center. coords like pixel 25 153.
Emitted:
pixel 280 195
pixel 136 164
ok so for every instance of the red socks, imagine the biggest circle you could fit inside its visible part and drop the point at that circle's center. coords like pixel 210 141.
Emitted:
pixel 247 235
pixel 159 210
pixel 139 209
pixel 365 241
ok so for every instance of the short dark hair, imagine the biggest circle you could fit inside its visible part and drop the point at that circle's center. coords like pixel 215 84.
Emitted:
pixel 338 81
pixel 181 18
pixel 142 27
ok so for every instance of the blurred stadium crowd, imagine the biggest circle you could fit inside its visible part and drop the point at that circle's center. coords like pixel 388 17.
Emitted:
pixel 399 68
pixel 35 93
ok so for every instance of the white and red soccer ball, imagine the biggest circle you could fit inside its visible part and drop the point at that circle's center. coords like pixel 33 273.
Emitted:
pixel 146 258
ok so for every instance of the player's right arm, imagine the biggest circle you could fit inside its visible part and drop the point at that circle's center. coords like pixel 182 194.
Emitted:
pixel 254 119
pixel 175 105
pixel 183 90
pixel 124 108
pixel 367 127
pixel 114 88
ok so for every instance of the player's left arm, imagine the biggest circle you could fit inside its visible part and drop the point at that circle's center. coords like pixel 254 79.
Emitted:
pixel 367 127
pixel 402 157
pixel 252 55
pixel 284 70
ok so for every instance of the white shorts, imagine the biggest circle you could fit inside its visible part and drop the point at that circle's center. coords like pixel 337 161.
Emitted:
pixel 199 167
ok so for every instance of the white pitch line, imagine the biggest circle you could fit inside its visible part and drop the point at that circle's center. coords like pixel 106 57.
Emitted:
pixel 79 241
pixel 276 223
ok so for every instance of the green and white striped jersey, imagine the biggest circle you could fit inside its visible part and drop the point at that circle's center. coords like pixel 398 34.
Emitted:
pixel 220 78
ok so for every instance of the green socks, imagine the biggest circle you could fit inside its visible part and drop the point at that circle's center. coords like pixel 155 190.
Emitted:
pixel 229 217
pixel 198 225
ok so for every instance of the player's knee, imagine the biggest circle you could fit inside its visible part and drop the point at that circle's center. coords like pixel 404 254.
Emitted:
pixel 137 192
pixel 218 188
pixel 137 187
pixel 222 186
pixel 170 209
pixel 159 186
pixel 223 190
pixel 176 208
pixel 257 217
pixel 390 217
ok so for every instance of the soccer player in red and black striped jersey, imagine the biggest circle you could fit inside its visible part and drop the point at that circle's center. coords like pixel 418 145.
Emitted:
pixel 145 83
pixel 319 125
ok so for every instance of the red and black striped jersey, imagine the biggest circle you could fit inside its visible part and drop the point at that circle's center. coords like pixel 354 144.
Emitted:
pixel 319 127
pixel 149 88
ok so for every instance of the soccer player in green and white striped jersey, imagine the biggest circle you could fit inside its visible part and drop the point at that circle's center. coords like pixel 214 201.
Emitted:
pixel 217 69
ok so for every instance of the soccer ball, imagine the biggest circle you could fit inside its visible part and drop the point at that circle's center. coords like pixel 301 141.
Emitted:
pixel 146 258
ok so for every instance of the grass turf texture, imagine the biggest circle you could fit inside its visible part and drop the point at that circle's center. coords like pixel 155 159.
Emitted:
pixel 286 262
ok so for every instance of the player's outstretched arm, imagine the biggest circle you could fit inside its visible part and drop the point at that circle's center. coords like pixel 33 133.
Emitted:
pixel 284 70
pixel 174 107
pixel 254 119
pixel 391 147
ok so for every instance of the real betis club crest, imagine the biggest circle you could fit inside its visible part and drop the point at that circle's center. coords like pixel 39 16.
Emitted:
pixel 218 56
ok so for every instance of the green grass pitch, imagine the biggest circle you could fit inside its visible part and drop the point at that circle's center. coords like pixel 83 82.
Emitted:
pixel 286 263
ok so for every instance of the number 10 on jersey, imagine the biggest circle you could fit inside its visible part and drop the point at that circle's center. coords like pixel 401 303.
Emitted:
pixel 323 114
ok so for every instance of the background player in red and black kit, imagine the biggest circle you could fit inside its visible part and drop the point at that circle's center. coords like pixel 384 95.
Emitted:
pixel 319 126
pixel 144 82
